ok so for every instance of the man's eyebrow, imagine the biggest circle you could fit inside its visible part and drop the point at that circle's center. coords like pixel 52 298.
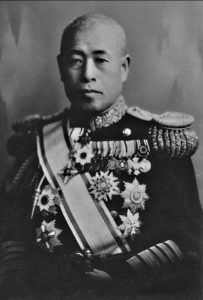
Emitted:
pixel 100 52
pixel 81 53
pixel 75 51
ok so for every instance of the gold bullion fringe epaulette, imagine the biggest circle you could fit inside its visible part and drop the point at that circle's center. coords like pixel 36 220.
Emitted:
pixel 170 133
pixel 25 130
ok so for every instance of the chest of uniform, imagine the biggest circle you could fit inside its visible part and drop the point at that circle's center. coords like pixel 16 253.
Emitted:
pixel 113 173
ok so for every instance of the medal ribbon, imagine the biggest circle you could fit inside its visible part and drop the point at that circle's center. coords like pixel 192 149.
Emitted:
pixel 91 224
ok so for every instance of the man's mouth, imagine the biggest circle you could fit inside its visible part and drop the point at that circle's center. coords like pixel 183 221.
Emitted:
pixel 90 91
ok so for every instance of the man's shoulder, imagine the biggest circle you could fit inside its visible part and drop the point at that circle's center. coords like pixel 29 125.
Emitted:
pixel 23 138
pixel 166 119
pixel 169 133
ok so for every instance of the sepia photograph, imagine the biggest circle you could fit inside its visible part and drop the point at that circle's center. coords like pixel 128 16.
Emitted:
pixel 101 150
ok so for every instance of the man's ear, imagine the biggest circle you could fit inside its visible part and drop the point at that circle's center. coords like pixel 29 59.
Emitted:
pixel 60 66
pixel 125 67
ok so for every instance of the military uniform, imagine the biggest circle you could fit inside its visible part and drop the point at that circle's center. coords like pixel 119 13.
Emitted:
pixel 118 195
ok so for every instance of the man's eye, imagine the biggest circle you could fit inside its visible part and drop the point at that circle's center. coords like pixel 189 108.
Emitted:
pixel 75 62
pixel 100 60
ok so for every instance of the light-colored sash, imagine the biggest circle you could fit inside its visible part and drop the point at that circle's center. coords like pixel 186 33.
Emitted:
pixel 90 221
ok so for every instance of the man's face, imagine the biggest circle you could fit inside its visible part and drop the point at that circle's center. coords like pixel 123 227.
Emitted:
pixel 93 69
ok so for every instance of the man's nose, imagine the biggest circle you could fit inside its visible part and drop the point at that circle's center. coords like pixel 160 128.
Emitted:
pixel 89 71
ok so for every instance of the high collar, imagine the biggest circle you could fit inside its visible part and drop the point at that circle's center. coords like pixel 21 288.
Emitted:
pixel 108 117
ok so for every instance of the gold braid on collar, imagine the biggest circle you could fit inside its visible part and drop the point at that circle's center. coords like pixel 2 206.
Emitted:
pixel 111 116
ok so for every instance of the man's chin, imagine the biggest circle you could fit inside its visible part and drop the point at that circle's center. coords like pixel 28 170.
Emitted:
pixel 89 108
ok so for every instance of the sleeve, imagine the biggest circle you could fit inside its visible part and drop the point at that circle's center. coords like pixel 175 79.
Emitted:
pixel 19 259
pixel 15 232
pixel 173 258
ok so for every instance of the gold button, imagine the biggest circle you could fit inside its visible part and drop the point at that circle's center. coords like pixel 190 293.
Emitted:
pixel 127 131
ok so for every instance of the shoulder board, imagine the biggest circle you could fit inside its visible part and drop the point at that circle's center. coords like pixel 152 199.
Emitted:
pixel 167 119
pixel 171 134
pixel 140 113
pixel 22 141
pixel 174 119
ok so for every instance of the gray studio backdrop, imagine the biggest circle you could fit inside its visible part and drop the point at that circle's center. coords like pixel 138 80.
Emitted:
pixel 165 40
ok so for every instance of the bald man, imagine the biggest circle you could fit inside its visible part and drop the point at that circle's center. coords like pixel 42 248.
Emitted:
pixel 102 199
pixel 93 64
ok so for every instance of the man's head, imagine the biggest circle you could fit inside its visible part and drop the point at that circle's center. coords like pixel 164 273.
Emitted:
pixel 93 62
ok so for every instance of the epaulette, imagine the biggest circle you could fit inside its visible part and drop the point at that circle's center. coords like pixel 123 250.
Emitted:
pixel 140 113
pixel 22 141
pixel 171 134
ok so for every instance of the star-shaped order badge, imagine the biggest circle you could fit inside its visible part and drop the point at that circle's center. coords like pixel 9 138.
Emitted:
pixel 135 166
pixel 83 155
pixel 103 186
pixel 134 196
pixel 48 199
pixel 47 235
pixel 130 225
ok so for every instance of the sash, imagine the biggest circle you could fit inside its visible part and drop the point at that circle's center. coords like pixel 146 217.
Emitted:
pixel 90 221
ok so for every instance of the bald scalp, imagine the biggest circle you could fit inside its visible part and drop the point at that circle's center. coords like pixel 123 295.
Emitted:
pixel 88 22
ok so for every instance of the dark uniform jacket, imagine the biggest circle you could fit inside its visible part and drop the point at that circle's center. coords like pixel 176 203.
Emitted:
pixel 139 165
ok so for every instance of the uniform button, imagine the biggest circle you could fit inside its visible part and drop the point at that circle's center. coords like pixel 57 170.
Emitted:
pixel 126 131
pixel 114 214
